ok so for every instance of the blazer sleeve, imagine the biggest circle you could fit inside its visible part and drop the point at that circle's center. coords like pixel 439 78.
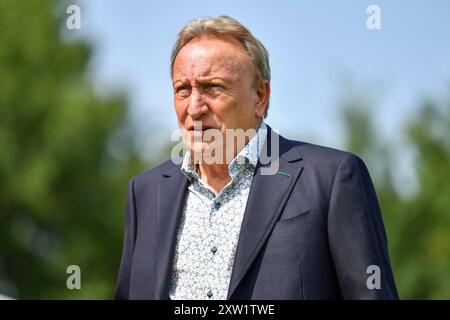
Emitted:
pixel 357 236
pixel 123 279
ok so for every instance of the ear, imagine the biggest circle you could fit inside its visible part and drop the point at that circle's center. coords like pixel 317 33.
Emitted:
pixel 262 98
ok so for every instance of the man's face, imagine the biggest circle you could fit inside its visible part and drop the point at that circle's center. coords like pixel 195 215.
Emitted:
pixel 213 82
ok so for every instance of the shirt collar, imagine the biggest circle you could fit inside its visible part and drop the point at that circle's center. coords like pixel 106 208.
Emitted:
pixel 250 153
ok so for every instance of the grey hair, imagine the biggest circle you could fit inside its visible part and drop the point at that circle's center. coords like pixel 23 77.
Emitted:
pixel 224 26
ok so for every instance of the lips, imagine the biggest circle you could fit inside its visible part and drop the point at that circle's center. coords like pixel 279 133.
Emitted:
pixel 202 128
pixel 199 132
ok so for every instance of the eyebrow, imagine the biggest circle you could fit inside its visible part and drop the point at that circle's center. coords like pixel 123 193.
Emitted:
pixel 210 78
pixel 201 79
pixel 182 80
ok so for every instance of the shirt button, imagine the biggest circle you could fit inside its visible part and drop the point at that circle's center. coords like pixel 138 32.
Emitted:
pixel 214 249
pixel 217 205
pixel 209 294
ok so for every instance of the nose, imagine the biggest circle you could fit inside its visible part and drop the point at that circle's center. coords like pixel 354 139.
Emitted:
pixel 197 105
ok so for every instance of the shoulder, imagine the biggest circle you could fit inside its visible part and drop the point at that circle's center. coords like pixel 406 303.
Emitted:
pixel 156 174
pixel 326 160
pixel 319 154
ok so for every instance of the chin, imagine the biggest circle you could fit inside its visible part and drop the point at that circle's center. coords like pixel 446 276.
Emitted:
pixel 197 146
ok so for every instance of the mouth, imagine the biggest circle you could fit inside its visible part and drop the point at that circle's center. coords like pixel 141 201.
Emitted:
pixel 198 129
pixel 198 132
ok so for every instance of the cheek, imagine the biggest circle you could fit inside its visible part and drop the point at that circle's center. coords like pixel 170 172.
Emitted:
pixel 231 111
pixel 245 98
pixel 221 109
pixel 180 109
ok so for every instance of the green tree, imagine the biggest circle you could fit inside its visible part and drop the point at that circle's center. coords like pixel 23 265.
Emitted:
pixel 424 228
pixel 418 226
pixel 62 185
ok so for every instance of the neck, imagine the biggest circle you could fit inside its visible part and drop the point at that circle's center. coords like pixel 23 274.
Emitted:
pixel 214 175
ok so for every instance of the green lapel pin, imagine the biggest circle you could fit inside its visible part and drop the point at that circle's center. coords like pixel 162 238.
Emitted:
pixel 282 173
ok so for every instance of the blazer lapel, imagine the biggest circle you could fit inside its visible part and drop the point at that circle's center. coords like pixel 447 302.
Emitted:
pixel 266 200
pixel 171 197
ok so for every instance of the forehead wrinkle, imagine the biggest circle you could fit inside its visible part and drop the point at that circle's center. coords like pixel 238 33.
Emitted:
pixel 203 61
pixel 205 72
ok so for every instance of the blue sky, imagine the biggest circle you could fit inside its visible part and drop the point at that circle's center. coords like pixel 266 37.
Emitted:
pixel 319 52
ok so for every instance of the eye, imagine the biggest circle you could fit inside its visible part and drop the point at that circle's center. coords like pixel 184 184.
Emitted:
pixel 213 87
pixel 182 91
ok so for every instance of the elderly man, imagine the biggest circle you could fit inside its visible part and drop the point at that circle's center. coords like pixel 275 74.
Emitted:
pixel 310 228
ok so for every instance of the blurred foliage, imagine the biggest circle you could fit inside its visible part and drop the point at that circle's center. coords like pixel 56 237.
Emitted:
pixel 62 189
pixel 418 226
pixel 66 157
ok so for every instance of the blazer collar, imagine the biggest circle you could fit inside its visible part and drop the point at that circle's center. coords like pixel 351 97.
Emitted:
pixel 268 194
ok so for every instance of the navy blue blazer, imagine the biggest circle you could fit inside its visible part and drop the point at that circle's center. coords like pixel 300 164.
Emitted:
pixel 311 234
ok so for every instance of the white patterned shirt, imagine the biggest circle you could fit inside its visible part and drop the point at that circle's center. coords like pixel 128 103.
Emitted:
pixel 208 233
